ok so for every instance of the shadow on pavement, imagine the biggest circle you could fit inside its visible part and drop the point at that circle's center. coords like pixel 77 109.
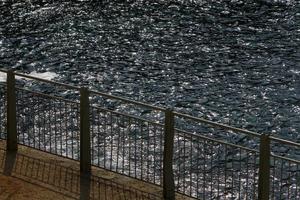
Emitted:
pixel 65 180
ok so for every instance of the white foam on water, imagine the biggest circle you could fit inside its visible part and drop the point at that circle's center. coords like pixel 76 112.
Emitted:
pixel 43 75
pixel 2 77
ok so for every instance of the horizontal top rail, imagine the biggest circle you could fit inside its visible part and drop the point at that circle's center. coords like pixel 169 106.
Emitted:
pixel 182 133
pixel 42 80
pixel 4 70
pixel 284 141
pixel 47 81
pixel 215 124
pixel 48 96
pixel 285 158
pixel 91 91
pixel 128 100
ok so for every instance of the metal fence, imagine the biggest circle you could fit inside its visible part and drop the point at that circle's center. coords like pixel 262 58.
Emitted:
pixel 285 177
pixel 211 169
pixel 285 171
pixel 189 159
pixel 127 145
pixel 47 123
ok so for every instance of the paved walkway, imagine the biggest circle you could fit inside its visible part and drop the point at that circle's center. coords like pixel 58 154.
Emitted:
pixel 35 175
pixel 15 189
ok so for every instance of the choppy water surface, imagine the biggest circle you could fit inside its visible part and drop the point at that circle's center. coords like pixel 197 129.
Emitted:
pixel 233 61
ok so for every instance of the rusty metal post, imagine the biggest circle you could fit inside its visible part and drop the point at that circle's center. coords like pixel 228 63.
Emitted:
pixel 85 143
pixel 11 113
pixel 264 168
pixel 168 176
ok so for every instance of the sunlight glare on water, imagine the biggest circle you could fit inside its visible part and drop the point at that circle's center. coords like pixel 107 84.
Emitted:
pixel 232 61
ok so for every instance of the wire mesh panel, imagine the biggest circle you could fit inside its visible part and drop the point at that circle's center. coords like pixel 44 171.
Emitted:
pixel 285 178
pixel 207 169
pixel 3 131
pixel 127 145
pixel 47 123
pixel 284 169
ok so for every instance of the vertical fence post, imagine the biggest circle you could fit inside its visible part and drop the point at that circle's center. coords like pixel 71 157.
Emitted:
pixel 168 176
pixel 85 143
pixel 264 168
pixel 11 113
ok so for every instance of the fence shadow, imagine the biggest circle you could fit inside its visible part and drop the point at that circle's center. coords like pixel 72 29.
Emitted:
pixel 65 180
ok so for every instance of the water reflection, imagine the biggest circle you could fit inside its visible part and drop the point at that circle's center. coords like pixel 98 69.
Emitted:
pixel 232 61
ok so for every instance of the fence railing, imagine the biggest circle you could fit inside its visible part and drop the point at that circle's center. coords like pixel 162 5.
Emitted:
pixel 179 152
